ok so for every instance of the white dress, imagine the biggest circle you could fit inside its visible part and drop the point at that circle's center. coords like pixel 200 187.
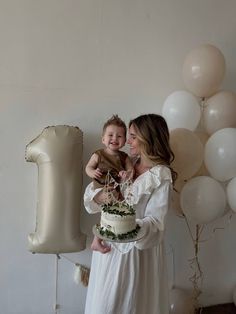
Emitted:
pixel 132 278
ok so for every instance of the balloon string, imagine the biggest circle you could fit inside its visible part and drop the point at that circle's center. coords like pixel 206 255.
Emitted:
pixel 56 305
pixel 202 106
pixel 172 286
pixel 219 228
pixel 197 278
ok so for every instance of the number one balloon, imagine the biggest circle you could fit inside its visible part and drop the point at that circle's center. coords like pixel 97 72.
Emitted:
pixel 57 151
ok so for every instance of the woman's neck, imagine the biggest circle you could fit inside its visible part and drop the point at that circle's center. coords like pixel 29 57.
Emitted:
pixel 142 165
pixel 146 162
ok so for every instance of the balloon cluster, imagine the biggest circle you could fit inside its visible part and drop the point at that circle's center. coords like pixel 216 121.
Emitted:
pixel 202 123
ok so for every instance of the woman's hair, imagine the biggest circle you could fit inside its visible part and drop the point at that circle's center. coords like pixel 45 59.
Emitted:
pixel 114 120
pixel 153 136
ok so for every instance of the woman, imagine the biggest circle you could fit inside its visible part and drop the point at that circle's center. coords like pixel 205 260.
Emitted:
pixel 131 278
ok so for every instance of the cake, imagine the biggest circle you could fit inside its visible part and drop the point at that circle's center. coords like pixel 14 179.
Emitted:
pixel 118 222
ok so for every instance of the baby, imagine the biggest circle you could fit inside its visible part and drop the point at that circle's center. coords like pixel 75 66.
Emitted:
pixel 110 159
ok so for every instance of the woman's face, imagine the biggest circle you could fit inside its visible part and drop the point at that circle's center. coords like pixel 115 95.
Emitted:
pixel 133 142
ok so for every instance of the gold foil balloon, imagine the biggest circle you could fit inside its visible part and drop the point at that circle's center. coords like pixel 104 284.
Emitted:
pixel 57 151
pixel 203 70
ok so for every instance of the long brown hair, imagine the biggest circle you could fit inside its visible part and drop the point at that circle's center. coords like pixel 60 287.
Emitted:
pixel 153 136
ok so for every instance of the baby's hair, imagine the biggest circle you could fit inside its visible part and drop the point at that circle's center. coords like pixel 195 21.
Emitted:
pixel 114 120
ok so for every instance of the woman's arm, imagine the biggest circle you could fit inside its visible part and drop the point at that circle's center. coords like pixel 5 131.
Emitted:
pixel 153 222
pixel 91 199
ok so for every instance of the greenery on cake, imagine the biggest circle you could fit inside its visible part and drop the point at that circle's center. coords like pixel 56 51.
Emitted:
pixel 124 236
pixel 116 209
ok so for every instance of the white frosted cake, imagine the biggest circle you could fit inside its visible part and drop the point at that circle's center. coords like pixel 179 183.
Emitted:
pixel 118 221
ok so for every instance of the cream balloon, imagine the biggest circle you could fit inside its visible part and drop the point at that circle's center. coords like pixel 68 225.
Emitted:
pixel 203 136
pixel 220 112
pixel 180 302
pixel 231 194
pixel 203 199
pixel 181 110
pixel 220 154
pixel 175 201
pixel 203 70
pixel 188 151
pixel 57 151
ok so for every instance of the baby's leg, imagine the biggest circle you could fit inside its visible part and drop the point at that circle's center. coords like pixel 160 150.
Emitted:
pixel 100 246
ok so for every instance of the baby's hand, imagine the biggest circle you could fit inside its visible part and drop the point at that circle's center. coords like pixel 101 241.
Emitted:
pixel 126 175
pixel 122 174
pixel 97 173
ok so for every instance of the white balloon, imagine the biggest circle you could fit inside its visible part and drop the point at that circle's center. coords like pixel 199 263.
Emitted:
pixel 220 112
pixel 231 194
pixel 203 199
pixel 181 110
pixel 220 154
pixel 180 302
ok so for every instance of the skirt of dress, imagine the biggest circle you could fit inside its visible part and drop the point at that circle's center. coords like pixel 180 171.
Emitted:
pixel 134 282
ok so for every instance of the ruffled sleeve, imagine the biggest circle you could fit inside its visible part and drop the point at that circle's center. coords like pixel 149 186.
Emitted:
pixel 155 187
pixel 149 181
pixel 90 205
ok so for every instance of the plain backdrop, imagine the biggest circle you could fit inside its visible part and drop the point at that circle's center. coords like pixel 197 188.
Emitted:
pixel 77 62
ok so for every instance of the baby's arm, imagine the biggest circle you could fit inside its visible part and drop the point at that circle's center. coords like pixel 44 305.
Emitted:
pixel 91 168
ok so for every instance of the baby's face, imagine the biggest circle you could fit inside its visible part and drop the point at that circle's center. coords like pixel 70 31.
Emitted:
pixel 114 138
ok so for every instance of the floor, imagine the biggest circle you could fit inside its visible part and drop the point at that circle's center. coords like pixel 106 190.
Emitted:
pixel 219 309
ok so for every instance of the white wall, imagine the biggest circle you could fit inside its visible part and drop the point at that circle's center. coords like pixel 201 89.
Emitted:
pixel 76 63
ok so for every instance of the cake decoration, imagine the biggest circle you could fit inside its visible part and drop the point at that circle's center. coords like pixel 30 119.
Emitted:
pixel 118 217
